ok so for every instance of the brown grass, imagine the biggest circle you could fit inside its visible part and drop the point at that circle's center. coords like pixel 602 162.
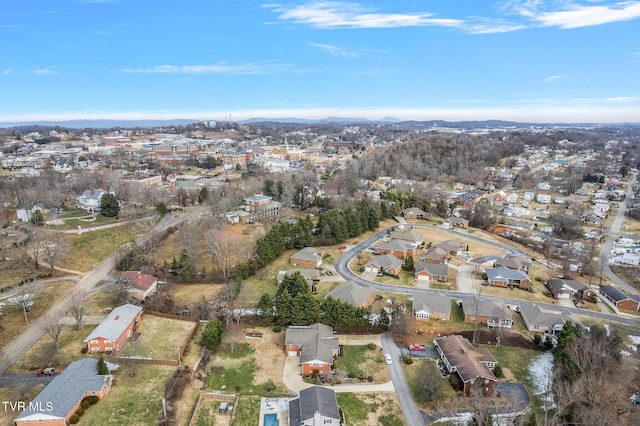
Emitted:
pixel 160 338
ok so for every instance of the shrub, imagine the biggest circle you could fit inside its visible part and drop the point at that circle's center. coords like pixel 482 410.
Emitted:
pixel 277 329
pixel 92 400
pixel 85 404
pixel 371 346
pixel 74 419
pixel 497 370
pixel 370 379
pixel 84 350
pixel 351 375
pixel 537 339
pixel 406 358
pixel 80 412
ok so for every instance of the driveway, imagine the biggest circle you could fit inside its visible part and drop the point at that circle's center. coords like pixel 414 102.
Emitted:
pixel 464 278
pixel 293 380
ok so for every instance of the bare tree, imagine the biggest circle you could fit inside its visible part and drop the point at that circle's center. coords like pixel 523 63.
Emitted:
pixel 53 328
pixel 77 309
pixel 54 249
pixel 220 249
pixel 476 303
pixel 400 320
pixel 24 300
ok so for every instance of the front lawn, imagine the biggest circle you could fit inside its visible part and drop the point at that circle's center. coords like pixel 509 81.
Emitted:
pixel 359 360
pixel 239 378
pixel 516 360
pixel 363 409
pixel 88 249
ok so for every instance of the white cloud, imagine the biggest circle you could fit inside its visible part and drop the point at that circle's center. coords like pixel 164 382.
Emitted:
pixel 334 50
pixel 620 100
pixel 44 71
pixel 219 68
pixel 577 16
pixel 5 72
pixel 332 14
pixel 554 77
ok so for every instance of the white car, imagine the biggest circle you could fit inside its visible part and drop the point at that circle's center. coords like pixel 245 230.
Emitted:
pixel 387 358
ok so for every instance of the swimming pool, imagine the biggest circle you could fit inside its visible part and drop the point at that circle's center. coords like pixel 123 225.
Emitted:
pixel 271 419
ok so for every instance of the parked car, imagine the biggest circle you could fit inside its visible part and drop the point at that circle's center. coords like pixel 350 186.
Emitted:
pixel 387 358
pixel 417 347
pixel 47 372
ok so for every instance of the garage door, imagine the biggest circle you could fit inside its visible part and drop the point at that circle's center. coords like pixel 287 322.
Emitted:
pixel 563 295
pixel 292 353
pixel 423 278
pixel 370 269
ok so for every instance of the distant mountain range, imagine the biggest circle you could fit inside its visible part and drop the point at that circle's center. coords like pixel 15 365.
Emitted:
pixel 128 124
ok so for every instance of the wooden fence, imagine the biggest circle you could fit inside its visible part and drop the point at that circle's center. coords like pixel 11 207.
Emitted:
pixel 211 396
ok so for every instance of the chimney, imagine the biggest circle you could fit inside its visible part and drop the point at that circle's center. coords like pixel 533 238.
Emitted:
pixel 117 317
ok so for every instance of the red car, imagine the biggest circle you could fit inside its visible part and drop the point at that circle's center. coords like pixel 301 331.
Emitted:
pixel 417 347
pixel 342 248
pixel 47 372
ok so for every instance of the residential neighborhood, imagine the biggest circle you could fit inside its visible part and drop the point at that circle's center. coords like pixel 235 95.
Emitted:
pixel 272 274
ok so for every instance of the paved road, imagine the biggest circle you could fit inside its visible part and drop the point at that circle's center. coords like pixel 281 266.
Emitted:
pixel 412 414
pixel 13 350
pixel 613 234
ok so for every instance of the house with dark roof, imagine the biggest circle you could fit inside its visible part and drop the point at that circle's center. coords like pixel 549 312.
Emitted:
pixel 518 263
pixel 261 206
pixel 353 294
pixel 491 313
pixel 452 247
pixel 431 272
pixel 540 319
pixel 311 275
pixel 413 213
pixel 474 366
pixel 114 331
pixel 315 344
pixel 435 255
pixel 432 306
pixel 308 257
pixel 468 198
pixel 569 289
pixel 617 299
pixel 139 285
pixel 455 222
pixel 315 406
pixel 508 278
pixel 398 248
pixel 386 263
pixel 61 398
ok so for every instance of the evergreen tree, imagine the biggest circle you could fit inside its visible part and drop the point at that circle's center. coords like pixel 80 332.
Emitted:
pixel 161 209
pixel 212 334
pixel 103 370
pixel 37 218
pixel 408 264
pixel 293 283
pixel 265 305
pixel 284 306
pixel 305 309
pixel 384 320
pixel 109 206
pixel 204 195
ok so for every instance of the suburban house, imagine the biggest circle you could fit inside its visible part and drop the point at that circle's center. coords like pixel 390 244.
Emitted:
pixel 617 299
pixel 112 333
pixel 473 365
pixel 261 206
pixel 455 222
pixel 315 406
pixel 312 275
pixel 238 216
pixel 354 294
pixel 569 289
pixel 544 320
pixel 431 272
pixel 386 263
pixel 452 247
pixel 435 255
pixel 487 312
pixel 398 248
pixel 508 278
pixel 427 307
pixel 89 201
pixel 543 198
pixel 413 213
pixel 413 236
pixel 315 344
pixel 308 257
pixel 24 214
pixel 140 285
pixel 61 398
pixel 518 263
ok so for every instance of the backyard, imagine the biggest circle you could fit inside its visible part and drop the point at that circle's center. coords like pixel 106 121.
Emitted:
pixel 363 409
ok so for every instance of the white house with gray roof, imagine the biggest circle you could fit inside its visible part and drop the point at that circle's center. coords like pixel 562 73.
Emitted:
pixel 314 407
pixel 60 399
pixel 431 306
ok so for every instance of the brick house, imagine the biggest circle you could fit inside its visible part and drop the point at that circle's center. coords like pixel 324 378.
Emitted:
pixel 569 289
pixel 352 293
pixel 426 307
pixel 452 247
pixel 315 344
pixel 398 248
pixel 413 213
pixel 518 263
pixel 435 255
pixel 114 331
pixel 386 263
pixel 61 398
pixel 431 272
pixel 508 278
pixel 455 222
pixel 308 257
pixel 140 285
pixel 487 312
pixel 474 366
pixel 618 299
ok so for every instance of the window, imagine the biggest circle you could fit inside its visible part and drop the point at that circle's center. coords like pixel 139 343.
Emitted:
pixel 536 327
pixel 472 317
pixel 94 342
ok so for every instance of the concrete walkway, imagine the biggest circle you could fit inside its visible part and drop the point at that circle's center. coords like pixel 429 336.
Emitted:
pixel 292 379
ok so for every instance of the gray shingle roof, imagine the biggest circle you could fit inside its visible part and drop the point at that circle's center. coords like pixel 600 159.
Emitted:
pixel 65 390
pixel 315 399
pixel 385 261
pixel 434 269
pixel 533 315
pixel 115 323
pixel 352 293
pixel 468 361
pixel 311 254
pixel 504 274
pixel 431 303
pixel 317 340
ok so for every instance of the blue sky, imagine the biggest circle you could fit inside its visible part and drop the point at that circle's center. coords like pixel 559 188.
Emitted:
pixel 524 60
